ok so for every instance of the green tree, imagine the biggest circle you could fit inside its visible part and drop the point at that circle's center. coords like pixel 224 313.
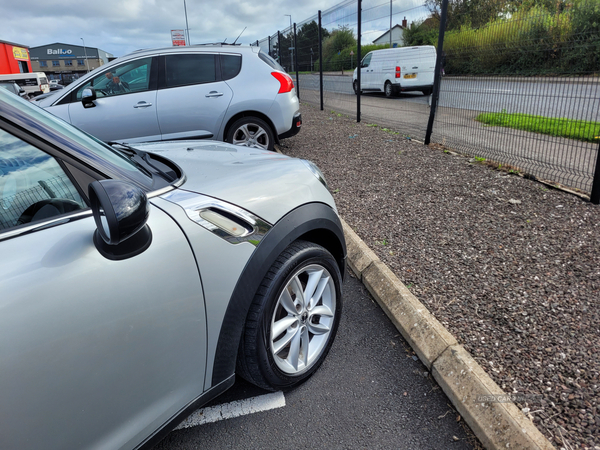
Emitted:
pixel 338 40
pixel 423 33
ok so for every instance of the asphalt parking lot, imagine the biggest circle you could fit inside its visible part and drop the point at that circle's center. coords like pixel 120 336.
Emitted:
pixel 371 392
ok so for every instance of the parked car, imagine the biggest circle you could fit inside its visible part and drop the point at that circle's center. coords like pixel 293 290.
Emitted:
pixel 56 87
pixel 14 88
pixel 138 280
pixel 34 83
pixel 396 70
pixel 229 93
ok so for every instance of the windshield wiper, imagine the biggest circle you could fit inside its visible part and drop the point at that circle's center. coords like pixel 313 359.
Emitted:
pixel 143 156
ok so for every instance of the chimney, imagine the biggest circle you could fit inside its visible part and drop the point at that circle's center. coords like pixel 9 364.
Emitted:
pixel 404 23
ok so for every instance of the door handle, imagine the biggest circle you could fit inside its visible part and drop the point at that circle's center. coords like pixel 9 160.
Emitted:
pixel 214 94
pixel 142 105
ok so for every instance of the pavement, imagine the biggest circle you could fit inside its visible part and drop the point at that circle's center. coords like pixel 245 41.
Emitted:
pixel 486 408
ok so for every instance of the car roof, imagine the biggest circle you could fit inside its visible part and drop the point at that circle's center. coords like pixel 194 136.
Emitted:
pixel 221 47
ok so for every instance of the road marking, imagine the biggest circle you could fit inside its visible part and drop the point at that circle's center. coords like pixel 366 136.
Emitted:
pixel 498 90
pixel 234 409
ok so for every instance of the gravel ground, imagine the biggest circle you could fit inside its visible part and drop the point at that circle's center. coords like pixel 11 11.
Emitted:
pixel 509 266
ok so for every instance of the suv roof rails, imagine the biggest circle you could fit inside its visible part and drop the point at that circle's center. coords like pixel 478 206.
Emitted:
pixel 215 44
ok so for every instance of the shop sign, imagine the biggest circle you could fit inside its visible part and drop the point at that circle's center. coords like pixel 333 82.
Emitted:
pixel 20 53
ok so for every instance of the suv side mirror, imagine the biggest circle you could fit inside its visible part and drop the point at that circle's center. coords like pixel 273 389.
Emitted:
pixel 120 211
pixel 87 97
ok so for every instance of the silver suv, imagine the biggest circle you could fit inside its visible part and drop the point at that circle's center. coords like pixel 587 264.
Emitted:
pixel 236 94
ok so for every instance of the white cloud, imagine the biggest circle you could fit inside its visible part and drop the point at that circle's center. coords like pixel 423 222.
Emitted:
pixel 121 26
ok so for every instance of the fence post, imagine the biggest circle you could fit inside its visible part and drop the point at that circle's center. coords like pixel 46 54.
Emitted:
pixel 595 196
pixel 320 62
pixel 295 52
pixel 279 54
pixel 438 75
pixel 358 60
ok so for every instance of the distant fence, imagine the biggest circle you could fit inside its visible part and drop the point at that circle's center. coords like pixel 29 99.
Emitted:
pixel 500 77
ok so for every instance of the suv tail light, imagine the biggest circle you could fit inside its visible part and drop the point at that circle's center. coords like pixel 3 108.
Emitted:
pixel 287 84
pixel 397 72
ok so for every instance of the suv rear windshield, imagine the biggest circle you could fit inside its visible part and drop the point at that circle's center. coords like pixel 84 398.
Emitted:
pixel 270 61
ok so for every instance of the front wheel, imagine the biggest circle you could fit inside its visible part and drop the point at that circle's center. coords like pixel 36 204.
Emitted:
pixel 251 132
pixel 293 319
pixel 355 87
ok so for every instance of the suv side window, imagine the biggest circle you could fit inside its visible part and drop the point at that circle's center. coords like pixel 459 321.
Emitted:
pixel 33 186
pixel 230 66
pixel 182 70
pixel 132 76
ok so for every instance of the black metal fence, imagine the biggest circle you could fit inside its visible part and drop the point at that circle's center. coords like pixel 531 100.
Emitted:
pixel 515 83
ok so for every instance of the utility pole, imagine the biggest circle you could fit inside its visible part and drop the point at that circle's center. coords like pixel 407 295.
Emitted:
pixel 390 23
pixel 86 58
pixel 187 28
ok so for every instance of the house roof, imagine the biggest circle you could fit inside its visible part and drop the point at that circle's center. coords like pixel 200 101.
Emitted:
pixel 388 32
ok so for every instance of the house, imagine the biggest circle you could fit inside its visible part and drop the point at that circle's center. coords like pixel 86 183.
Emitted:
pixel 397 35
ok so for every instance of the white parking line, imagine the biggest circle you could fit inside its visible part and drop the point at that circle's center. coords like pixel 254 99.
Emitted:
pixel 234 409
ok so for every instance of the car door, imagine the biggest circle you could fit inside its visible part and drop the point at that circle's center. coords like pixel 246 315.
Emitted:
pixel 192 101
pixel 120 115
pixel 112 348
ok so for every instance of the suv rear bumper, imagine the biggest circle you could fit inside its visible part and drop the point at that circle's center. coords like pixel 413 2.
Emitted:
pixel 296 125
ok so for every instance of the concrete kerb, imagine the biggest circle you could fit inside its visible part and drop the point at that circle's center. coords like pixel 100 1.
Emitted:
pixel 488 410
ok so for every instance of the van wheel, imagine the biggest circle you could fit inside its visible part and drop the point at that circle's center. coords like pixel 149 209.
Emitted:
pixel 388 89
pixel 427 91
pixel 251 132
pixel 355 87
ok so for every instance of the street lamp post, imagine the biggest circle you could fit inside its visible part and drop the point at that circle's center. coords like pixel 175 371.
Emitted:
pixel 291 42
pixel 187 27
pixel 87 64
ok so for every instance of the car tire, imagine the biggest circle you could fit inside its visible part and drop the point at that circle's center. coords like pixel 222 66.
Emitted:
pixel 251 132
pixel 287 336
pixel 427 91
pixel 388 89
pixel 355 87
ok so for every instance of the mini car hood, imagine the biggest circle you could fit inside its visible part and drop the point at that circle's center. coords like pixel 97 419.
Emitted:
pixel 265 183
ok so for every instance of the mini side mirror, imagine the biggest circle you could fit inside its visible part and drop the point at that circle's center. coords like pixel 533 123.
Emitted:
pixel 121 211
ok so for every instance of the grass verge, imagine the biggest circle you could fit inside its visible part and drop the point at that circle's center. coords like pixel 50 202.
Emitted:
pixel 580 130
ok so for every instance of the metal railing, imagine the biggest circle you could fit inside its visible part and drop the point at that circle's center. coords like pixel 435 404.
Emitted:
pixel 501 79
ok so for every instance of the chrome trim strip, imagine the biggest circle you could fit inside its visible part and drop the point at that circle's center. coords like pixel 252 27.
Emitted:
pixel 169 188
pixel 45 224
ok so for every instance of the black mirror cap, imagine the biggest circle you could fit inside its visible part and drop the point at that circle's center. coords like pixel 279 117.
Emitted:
pixel 121 211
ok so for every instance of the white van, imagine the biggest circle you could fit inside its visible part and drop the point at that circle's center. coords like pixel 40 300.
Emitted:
pixel 395 70
pixel 34 83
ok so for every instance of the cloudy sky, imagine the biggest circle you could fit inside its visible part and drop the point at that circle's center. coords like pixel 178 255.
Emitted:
pixel 121 26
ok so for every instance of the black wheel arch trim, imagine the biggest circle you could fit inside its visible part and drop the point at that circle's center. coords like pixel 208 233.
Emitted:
pixel 314 222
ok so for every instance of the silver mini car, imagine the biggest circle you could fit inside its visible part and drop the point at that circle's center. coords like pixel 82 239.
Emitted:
pixel 229 93
pixel 135 282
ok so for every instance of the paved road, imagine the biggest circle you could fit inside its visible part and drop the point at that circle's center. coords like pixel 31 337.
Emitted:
pixel 369 393
pixel 554 97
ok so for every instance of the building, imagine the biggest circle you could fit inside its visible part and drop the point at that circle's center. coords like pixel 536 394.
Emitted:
pixel 397 35
pixel 14 58
pixel 66 62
